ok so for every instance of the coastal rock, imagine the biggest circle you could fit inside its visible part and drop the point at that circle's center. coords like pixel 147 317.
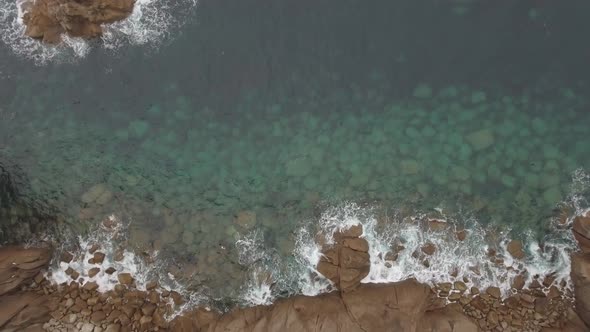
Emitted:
pixel 18 266
pixel 580 268
pixel 461 234
pixel 429 249
pixel 581 279
pixel 581 229
pixel 402 306
pixel 347 262
pixel 47 20
pixel 125 278
pixel 515 249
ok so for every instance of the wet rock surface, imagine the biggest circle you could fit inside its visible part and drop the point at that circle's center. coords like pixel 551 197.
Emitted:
pixel 48 20
pixel 347 262
pixel 22 308
pixel 580 273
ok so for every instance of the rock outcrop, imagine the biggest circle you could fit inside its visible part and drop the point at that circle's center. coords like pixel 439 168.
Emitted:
pixel 347 262
pixel 403 306
pixel 47 20
pixel 581 268
pixel 23 310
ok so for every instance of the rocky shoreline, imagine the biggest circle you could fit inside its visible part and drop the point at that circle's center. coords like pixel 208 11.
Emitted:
pixel 49 20
pixel 29 302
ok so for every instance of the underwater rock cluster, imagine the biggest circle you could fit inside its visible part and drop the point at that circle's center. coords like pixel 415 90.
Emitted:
pixel 48 20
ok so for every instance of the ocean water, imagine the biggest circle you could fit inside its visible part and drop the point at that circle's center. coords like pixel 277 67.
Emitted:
pixel 220 137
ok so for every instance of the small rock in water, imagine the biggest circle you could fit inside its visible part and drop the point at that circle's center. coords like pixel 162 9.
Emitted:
pixel 90 286
pixel 460 286
pixel 125 278
pixel 518 282
pixel 93 248
pixel 515 249
pixel 93 271
pixel 110 270
pixel 494 292
pixel 151 285
pixel 428 249
pixel 66 257
pixel 461 235
pixel 98 257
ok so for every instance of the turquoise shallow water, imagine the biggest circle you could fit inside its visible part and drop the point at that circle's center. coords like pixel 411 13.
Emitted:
pixel 259 118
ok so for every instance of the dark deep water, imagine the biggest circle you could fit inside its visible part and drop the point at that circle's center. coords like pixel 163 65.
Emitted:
pixel 256 116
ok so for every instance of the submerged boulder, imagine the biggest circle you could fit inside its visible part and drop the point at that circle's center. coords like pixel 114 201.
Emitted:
pixel 47 20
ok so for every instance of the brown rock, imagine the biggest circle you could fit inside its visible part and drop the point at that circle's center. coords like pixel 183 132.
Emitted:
pixel 159 320
pixel 93 248
pixel 518 282
pixel 119 255
pixel 515 249
pixel 460 286
pixel 93 271
pixel 148 309
pixel 176 298
pixel 98 257
pixel 357 244
pixel 98 316
pixel 429 249
pixel 444 286
pixel 74 275
pixel 352 231
pixel 110 270
pixel 548 280
pixel 151 285
pixel 66 257
pixel 494 292
pixel 581 230
pixel 90 286
pixel 49 19
pixel 154 297
pixel 125 278
pixel 492 318
pixel 461 235
pixel 580 275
